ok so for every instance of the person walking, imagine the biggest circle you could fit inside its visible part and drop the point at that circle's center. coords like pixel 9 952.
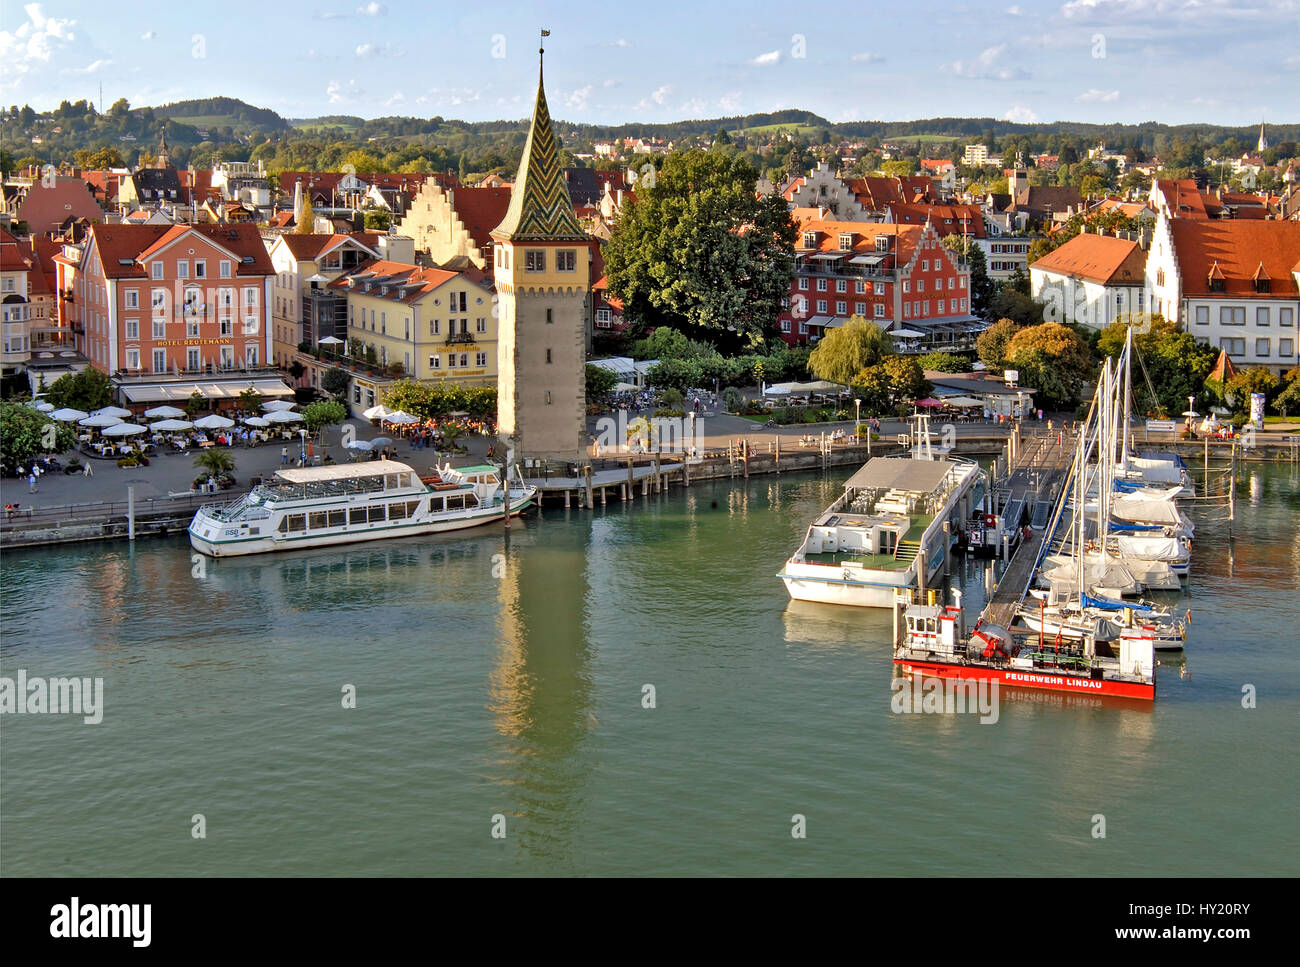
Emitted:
pixel 31 481
pixel 284 456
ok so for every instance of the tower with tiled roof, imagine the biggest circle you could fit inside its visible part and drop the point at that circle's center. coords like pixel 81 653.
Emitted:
pixel 541 265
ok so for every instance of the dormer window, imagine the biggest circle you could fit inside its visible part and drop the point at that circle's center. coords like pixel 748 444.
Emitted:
pixel 809 239
pixel 1216 278
pixel 846 242
pixel 882 243
pixel 1262 282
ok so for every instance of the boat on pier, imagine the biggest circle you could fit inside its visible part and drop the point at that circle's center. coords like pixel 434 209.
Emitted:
pixel 886 530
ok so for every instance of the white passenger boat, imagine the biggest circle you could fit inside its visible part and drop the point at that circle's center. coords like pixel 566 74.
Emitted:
pixel 885 530
pixel 342 504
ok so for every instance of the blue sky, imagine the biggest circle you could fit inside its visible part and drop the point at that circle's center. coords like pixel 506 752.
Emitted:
pixel 1175 61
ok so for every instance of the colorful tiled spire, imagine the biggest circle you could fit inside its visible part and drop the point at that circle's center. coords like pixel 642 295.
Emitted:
pixel 540 209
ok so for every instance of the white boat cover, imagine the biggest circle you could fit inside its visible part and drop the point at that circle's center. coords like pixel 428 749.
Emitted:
pixel 1144 548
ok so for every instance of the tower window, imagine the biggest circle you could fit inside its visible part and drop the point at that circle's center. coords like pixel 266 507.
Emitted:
pixel 549 317
pixel 535 260
pixel 548 355
pixel 548 397
pixel 566 261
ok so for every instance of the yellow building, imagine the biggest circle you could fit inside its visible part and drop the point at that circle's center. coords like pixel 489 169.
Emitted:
pixel 433 323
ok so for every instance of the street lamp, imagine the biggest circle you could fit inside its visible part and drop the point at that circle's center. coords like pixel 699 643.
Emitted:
pixel 857 417
pixel 302 448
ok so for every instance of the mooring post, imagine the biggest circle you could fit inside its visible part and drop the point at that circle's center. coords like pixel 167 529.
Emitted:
pixel 947 547
pixel 744 455
pixel 130 513
pixel 591 500
pixel 659 480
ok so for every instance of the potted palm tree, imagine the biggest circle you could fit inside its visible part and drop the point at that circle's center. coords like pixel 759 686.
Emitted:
pixel 217 465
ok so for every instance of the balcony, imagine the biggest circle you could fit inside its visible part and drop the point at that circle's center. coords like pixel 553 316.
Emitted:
pixel 459 338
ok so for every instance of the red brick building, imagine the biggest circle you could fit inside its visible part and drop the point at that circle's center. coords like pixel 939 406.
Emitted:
pixel 898 276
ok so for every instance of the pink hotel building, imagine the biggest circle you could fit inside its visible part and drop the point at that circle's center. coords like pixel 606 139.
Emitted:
pixel 168 300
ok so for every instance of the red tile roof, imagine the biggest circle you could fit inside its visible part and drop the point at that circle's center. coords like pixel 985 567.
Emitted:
pixel 121 246
pixel 1236 249
pixel 1182 197
pixel 1097 258
pixel 12 257
pixel 480 210
pixel 46 208
pixel 864 235
pixel 407 283
pixel 946 219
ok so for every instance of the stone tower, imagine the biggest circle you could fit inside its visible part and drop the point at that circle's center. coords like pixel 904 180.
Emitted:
pixel 541 271
pixel 164 157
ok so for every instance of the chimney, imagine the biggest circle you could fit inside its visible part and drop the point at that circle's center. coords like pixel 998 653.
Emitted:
pixel 1144 237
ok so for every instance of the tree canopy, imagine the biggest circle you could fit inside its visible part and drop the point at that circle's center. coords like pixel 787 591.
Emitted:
pixel 700 250
pixel 1052 359
pixel 88 390
pixel 846 351
pixel 26 432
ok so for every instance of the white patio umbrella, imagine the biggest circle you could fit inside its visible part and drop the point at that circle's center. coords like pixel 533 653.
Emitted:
pixel 401 418
pixel 124 429
pixel 359 445
pixel 164 413
pixel 111 411
pixel 101 420
pixel 380 441
pixel 283 416
pixel 330 341
pixel 168 425
pixel 256 421
pixel 275 406
pixel 214 422
pixel 45 407
pixel 68 415
pixel 376 412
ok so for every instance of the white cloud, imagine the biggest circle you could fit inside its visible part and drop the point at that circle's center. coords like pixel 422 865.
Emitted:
pixel 1292 63
pixel 621 42
pixel 694 107
pixel 35 41
pixel 341 93
pixel 90 68
pixel 1013 11
pixel 771 58
pixel 1020 115
pixel 986 66
pixel 149 35
pixel 659 96
pixel 372 10
pixel 867 57
pixel 1095 96
pixel 577 100
pixel 610 82
pixel 378 50
pixel 397 98
pixel 729 101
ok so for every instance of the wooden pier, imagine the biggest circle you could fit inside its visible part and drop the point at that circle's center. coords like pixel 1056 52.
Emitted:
pixel 1037 474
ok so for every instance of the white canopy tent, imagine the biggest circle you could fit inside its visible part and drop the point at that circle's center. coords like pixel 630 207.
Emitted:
pixel 124 429
pixel 164 413
pixel 214 422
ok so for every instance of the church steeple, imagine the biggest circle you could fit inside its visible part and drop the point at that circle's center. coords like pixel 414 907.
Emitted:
pixel 164 160
pixel 1263 140
pixel 540 208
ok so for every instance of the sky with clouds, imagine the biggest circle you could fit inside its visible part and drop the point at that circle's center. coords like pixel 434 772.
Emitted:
pixel 1177 61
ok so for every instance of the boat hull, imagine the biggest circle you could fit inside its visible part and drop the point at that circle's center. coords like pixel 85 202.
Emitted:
pixel 267 545
pixel 1053 680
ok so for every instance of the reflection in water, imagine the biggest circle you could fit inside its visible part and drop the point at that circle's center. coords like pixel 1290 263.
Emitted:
pixel 541 694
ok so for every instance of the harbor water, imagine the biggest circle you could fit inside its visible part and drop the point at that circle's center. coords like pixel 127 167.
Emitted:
pixel 622 691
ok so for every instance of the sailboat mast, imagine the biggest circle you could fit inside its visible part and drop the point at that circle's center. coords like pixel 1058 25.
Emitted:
pixel 1128 391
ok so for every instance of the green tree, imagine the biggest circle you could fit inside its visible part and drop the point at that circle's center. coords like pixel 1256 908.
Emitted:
pixel 848 350
pixel 600 384
pixel 316 416
pixel 991 345
pixel 981 286
pixel 88 390
pixel 378 221
pixel 26 433
pixel 308 219
pixel 1008 303
pixel 215 462
pixel 889 382
pixel 196 404
pixel 1257 379
pixel 1288 401
pixel 679 374
pixel 944 363
pixel 1051 358
pixel 336 382
pixel 701 250
pixel 251 399
pixel 664 343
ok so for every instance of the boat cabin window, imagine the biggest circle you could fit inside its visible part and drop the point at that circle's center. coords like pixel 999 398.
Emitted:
pixel 377 513
pixel 318 520
pixel 338 518
pixel 397 511
pixel 293 524
pixel 357 515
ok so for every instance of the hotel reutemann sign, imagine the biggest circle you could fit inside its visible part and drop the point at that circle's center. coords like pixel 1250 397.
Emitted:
pixel 193 342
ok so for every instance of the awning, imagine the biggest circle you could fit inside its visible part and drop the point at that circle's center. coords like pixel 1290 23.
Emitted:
pixel 181 391
pixel 961 401
pixel 906 334
pixel 830 256
pixel 824 321
pixel 866 260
